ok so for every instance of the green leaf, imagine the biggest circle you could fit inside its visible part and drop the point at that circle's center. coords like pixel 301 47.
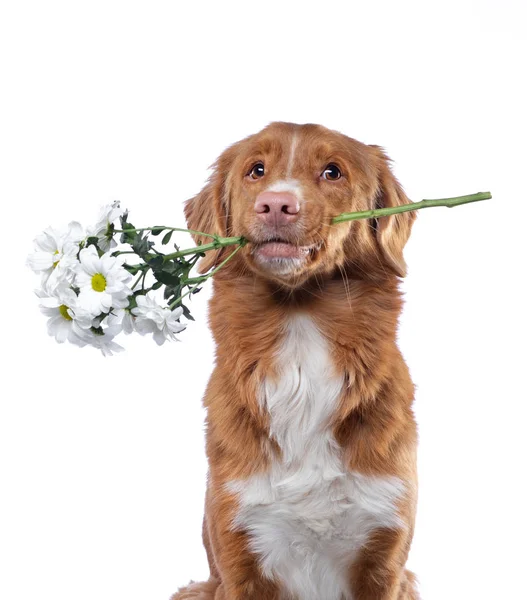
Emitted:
pixel 132 269
pixel 157 285
pixel 172 292
pixel 172 266
pixel 186 313
pixel 141 245
pixel 166 278
pixel 129 236
pixel 156 262
pixel 166 237
pixel 157 229
pixel 125 224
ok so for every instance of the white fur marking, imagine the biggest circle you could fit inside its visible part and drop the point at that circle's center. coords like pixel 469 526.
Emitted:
pixel 291 160
pixel 286 185
pixel 308 516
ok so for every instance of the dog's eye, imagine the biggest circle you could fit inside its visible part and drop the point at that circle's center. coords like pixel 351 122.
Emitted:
pixel 332 172
pixel 257 171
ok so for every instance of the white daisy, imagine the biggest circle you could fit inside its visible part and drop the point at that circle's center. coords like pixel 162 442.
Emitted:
pixel 66 320
pixel 102 281
pixel 103 331
pixel 106 345
pixel 55 254
pixel 69 322
pixel 151 317
pixel 101 230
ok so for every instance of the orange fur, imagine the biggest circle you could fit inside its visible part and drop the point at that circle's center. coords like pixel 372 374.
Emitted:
pixel 349 287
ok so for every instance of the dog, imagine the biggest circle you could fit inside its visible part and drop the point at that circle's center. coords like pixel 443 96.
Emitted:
pixel 310 435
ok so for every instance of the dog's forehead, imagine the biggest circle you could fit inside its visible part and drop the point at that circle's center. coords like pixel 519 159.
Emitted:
pixel 283 134
pixel 285 140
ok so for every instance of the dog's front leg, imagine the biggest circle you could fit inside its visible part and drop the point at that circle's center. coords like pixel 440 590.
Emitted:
pixel 378 573
pixel 241 578
pixel 238 569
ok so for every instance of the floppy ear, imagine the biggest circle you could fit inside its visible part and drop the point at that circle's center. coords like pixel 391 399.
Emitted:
pixel 393 231
pixel 208 210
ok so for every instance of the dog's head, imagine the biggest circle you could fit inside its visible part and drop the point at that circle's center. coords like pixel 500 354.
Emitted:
pixel 281 187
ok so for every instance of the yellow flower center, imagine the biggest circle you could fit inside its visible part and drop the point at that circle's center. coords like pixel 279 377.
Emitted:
pixel 63 310
pixel 98 282
pixel 57 261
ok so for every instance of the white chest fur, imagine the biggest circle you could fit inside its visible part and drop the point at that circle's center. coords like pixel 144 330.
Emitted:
pixel 308 516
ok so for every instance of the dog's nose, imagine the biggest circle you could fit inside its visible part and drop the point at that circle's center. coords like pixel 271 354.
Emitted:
pixel 277 208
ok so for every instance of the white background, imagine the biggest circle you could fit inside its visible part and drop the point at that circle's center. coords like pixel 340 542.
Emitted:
pixel 102 462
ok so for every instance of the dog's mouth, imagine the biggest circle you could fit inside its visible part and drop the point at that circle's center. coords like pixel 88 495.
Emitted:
pixel 281 249
pixel 278 254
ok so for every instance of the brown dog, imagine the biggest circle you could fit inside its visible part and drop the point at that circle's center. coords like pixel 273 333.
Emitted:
pixel 311 438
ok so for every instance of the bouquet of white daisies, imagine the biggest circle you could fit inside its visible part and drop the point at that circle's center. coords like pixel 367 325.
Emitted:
pixel 91 294
pixel 87 287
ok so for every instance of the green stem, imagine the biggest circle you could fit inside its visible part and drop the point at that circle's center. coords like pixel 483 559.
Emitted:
pixel 219 242
pixel 383 212
pixel 137 281
pixel 141 279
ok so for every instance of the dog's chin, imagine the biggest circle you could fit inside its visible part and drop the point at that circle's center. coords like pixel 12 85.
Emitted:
pixel 287 263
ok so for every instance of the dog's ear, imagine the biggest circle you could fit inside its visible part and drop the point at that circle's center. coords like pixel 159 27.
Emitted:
pixel 393 231
pixel 208 211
